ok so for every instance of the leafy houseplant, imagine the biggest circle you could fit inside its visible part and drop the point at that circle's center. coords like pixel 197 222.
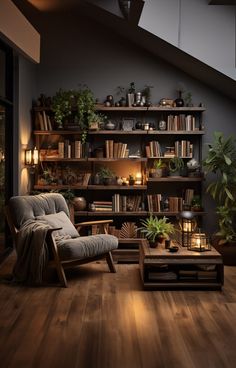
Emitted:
pixel 176 164
pixel 156 171
pixel 75 106
pixel 106 175
pixel 156 229
pixel 221 161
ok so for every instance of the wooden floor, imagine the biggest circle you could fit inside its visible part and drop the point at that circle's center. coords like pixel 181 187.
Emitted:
pixel 106 320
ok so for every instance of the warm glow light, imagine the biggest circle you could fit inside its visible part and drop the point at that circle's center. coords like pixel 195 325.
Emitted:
pixel 138 178
pixel 35 156
pixel 199 242
pixel 187 226
pixel 28 157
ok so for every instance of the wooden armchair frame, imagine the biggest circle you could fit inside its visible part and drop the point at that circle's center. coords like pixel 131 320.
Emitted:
pixel 55 262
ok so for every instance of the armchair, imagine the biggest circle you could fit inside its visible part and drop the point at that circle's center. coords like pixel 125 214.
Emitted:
pixel 41 229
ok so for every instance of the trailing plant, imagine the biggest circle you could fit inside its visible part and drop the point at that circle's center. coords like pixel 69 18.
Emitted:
pixel 221 162
pixel 77 105
pixel 154 227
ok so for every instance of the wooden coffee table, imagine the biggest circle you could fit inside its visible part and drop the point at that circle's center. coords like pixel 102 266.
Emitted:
pixel 161 269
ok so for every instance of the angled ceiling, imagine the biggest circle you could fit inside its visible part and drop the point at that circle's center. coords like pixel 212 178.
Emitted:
pixel 129 30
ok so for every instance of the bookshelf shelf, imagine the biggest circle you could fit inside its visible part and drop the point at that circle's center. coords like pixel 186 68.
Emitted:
pixel 174 179
pixel 62 152
pixel 117 187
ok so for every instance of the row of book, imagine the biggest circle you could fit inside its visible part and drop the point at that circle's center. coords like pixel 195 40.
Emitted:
pixel 116 149
pixel 119 203
pixel 43 121
pixel 181 122
pixel 66 149
pixel 184 149
pixel 172 203
pixel 181 148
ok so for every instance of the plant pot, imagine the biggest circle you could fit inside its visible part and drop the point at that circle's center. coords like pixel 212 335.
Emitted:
pixel 93 125
pixel 131 182
pixel 228 251
pixel 153 244
pixel 156 173
pixel 161 239
pixel 107 181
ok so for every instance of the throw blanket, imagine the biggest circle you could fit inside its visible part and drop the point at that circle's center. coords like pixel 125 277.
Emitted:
pixel 32 253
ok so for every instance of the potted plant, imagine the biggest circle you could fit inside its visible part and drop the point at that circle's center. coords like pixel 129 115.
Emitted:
pixel 221 162
pixel 146 92
pixel 106 175
pixel 156 171
pixel 156 229
pixel 176 164
pixel 131 179
pixel 74 107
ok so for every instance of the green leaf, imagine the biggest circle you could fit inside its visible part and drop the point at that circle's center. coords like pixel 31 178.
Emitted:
pixel 229 194
pixel 227 160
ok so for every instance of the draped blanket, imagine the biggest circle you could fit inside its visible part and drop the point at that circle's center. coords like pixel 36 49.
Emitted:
pixel 32 253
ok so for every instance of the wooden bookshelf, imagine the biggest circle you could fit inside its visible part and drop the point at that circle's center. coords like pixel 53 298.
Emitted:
pixel 45 139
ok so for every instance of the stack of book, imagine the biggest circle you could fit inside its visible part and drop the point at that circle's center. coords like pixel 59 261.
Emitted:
pixel 101 206
pixel 67 149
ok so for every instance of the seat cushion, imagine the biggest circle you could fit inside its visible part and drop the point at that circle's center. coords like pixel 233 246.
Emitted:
pixel 59 219
pixel 86 246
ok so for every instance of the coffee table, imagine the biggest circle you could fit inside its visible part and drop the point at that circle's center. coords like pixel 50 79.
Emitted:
pixel 161 269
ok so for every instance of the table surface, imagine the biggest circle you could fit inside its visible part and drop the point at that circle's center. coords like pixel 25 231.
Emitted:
pixel 183 252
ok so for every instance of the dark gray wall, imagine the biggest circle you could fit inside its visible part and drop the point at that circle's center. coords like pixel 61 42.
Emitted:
pixel 76 50
pixel 26 90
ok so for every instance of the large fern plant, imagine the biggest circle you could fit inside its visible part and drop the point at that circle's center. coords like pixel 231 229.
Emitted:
pixel 221 161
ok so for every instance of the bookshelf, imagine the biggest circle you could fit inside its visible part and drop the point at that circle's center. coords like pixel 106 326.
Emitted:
pixel 73 165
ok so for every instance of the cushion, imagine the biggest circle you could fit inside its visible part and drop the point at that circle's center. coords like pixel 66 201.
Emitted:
pixel 60 219
pixel 86 246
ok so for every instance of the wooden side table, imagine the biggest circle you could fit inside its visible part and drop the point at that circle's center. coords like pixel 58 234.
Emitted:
pixel 161 269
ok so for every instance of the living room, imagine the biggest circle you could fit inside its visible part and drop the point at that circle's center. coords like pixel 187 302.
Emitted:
pixel 102 318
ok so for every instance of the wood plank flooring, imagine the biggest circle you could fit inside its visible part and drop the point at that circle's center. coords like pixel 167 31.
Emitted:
pixel 106 320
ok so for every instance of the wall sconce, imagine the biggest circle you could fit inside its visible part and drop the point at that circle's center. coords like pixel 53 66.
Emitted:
pixel 199 242
pixel 187 224
pixel 138 178
pixel 31 157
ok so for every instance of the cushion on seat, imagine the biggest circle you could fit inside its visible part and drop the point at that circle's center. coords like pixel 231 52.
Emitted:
pixel 86 246
pixel 59 219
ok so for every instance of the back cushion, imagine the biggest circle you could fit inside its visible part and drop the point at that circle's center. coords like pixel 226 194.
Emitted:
pixel 60 219
pixel 25 208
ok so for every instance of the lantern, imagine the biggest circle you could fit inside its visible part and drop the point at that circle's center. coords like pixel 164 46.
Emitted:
pixel 187 224
pixel 199 242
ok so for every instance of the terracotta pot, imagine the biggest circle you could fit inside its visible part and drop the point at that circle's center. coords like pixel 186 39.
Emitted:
pixel 79 203
pixel 228 251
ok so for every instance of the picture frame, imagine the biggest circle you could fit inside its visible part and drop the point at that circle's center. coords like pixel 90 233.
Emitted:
pixel 128 124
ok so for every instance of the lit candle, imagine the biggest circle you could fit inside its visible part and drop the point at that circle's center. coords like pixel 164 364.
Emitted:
pixel 138 178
